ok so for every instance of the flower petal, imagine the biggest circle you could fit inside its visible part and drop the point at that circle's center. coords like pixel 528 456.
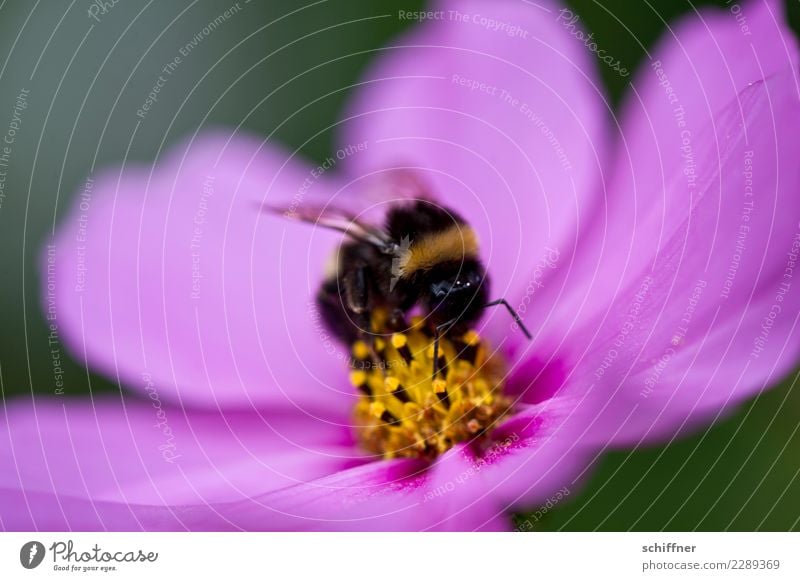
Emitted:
pixel 541 452
pixel 534 455
pixel 76 467
pixel 129 451
pixel 701 66
pixel 175 272
pixel 498 107
pixel 713 318
pixel 40 511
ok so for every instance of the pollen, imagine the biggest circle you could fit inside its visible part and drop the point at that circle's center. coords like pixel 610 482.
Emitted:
pixel 409 407
pixel 360 350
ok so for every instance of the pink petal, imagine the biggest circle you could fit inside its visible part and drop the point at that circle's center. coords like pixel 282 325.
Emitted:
pixel 38 511
pixel 677 218
pixel 141 452
pixel 533 456
pixel 699 67
pixel 716 319
pixel 102 468
pixel 706 60
pixel 175 272
pixel 520 157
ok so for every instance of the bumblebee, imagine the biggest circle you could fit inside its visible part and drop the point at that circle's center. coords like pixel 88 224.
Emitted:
pixel 423 256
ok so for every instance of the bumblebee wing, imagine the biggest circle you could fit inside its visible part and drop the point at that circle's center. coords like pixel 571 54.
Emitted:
pixel 359 216
pixel 397 185
pixel 339 219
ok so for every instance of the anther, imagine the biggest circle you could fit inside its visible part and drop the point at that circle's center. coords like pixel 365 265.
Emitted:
pixel 408 413
pixel 379 411
pixel 440 389
pixel 359 380
pixel 471 341
pixel 396 388
pixel 360 350
pixel 400 342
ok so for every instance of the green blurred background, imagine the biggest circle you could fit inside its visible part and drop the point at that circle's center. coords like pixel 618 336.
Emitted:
pixel 86 80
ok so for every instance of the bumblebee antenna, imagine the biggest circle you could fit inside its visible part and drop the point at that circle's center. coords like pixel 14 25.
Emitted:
pixel 513 313
pixel 440 330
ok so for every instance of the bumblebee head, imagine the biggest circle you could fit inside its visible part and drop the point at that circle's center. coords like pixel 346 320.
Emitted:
pixel 456 290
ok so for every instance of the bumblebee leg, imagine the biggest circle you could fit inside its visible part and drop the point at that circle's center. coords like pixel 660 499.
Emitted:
pixel 513 313
pixel 356 290
pixel 334 314
pixel 343 304
pixel 355 287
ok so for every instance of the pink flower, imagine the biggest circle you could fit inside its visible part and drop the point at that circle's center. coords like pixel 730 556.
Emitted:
pixel 654 258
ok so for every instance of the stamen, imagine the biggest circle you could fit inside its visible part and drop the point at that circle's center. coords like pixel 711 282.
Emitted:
pixel 471 343
pixel 404 412
pixel 378 410
pixel 360 351
pixel 359 380
pixel 441 361
pixel 441 392
pixel 400 342
pixel 396 388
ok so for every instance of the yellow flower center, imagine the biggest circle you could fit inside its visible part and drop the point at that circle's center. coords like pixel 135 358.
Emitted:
pixel 407 411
